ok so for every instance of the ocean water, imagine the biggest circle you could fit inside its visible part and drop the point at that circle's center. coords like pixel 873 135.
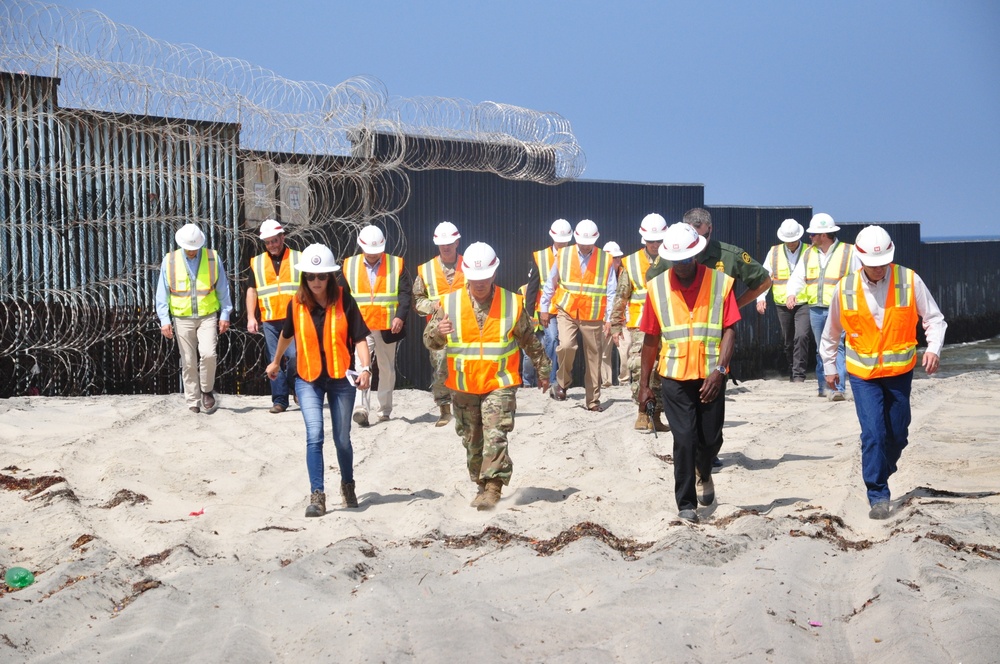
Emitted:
pixel 973 356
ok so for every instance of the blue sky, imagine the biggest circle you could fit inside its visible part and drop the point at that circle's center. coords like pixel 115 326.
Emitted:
pixel 871 111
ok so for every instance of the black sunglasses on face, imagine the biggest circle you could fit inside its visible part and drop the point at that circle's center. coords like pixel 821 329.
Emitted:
pixel 322 276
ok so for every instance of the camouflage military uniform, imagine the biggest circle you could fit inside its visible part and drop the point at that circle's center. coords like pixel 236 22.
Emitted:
pixel 484 420
pixel 439 358
pixel 727 258
pixel 618 314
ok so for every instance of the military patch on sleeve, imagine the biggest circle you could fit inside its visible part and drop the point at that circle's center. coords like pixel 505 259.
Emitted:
pixel 720 266
pixel 745 257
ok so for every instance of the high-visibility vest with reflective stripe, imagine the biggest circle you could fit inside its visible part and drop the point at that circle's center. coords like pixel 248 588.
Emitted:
pixel 483 360
pixel 582 296
pixel 432 273
pixel 378 302
pixel 781 269
pixel 309 362
pixel 636 265
pixel 692 340
pixel 544 260
pixel 522 290
pixel 873 352
pixel 275 291
pixel 820 281
pixel 183 294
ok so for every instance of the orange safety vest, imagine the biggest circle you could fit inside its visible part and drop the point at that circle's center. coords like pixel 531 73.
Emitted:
pixel 275 291
pixel 636 266
pixel 874 352
pixel 583 296
pixel 544 260
pixel 378 302
pixel 481 360
pixel 692 340
pixel 821 281
pixel 307 342
pixel 432 273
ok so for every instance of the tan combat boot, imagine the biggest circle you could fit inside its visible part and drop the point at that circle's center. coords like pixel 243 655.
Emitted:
pixel 480 493
pixel 317 504
pixel 445 416
pixel 658 422
pixel 491 496
pixel 642 422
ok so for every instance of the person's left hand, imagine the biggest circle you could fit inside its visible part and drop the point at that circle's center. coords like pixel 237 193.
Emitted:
pixel 364 379
pixel 761 306
pixel 831 382
pixel 931 362
pixel 607 329
pixel 543 384
pixel 272 370
pixel 711 387
pixel 223 326
pixel 397 325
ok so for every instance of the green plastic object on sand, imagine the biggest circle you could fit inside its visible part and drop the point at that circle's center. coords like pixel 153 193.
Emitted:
pixel 18 577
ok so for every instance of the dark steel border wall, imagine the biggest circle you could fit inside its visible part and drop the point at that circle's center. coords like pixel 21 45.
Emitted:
pixel 964 278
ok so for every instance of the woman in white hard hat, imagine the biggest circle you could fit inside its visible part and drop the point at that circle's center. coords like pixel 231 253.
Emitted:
pixel 327 326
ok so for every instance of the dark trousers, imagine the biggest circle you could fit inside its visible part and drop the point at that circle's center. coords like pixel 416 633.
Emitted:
pixel 697 431
pixel 795 330
pixel 883 406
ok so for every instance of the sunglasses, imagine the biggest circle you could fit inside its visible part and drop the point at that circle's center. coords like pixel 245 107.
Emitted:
pixel 686 261
pixel 322 276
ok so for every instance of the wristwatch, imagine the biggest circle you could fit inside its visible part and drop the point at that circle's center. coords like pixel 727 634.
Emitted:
pixel 722 370
pixel 368 369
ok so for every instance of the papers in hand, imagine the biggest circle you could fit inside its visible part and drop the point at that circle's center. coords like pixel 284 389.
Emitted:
pixel 352 376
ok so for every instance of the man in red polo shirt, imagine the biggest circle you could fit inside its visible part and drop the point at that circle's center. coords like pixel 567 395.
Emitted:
pixel 692 310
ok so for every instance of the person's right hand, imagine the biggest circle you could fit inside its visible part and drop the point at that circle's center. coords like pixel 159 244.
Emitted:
pixel 167 331
pixel 644 395
pixel 446 327
pixel 790 302
pixel 544 318
pixel 761 306
pixel 272 370
pixel 252 326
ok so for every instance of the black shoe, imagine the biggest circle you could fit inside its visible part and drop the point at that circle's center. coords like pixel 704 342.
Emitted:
pixel 880 510
pixel 558 393
pixel 716 462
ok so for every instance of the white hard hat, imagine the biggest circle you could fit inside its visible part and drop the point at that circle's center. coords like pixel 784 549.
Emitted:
pixel 874 246
pixel 681 241
pixel 446 233
pixel 270 228
pixel 652 227
pixel 479 261
pixel 790 230
pixel 613 249
pixel 822 223
pixel 586 232
pixel 371 240
pixel 561 231
pixel 317 258
pixel 190 237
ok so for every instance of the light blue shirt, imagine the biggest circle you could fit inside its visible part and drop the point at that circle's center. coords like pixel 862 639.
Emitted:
pixel 163 289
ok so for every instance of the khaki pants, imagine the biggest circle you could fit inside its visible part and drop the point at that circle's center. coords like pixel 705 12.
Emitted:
pixel 385 355
pixel 197 336
pixel 591 333
pixel 607 358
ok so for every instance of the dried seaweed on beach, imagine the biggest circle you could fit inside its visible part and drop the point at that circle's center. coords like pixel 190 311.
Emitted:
pixel 33 485
pixel 125 496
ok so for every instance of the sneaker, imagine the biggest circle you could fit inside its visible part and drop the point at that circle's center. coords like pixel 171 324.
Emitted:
pixel 838 396
pixel 278 408
pixel 880 510
pixel 360 418
pixel 317 504
pixel 347 493
pixel 688 515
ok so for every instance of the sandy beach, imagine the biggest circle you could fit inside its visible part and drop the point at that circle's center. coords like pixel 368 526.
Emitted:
pixel 158 535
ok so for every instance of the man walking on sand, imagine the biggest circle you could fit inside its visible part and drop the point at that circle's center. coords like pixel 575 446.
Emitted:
pixel 879 308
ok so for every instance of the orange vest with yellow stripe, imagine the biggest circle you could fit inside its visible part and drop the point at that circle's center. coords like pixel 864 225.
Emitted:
pixel 432 273
pixel 636 266
pixel 309 361
pixel 692 339
pixel 873 352
pixel 481 360
pixel 582 295
pixel 378 302
pixel 275 291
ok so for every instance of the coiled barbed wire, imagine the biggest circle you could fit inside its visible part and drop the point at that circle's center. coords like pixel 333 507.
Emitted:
pixel 110 140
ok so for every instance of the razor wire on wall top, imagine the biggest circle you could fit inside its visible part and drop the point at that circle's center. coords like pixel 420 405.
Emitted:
pixel 110 140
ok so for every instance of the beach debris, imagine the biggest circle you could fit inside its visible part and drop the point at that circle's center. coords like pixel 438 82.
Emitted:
pixel 981 550
pixel 864 606
pixel 81 540
pixel 18 577
pixel 284 529
pixel 125 496
pixel 909 584
pixel 815 623
pixel 33 485
pixel 198 513
pixel 138 588
pixel 156 558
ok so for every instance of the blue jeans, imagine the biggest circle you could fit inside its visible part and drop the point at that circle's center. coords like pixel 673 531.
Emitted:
pixel 529 377
pixel 286 374
pixel 550 340
pixel 340 394
pixel 883 406
pixel 817 319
